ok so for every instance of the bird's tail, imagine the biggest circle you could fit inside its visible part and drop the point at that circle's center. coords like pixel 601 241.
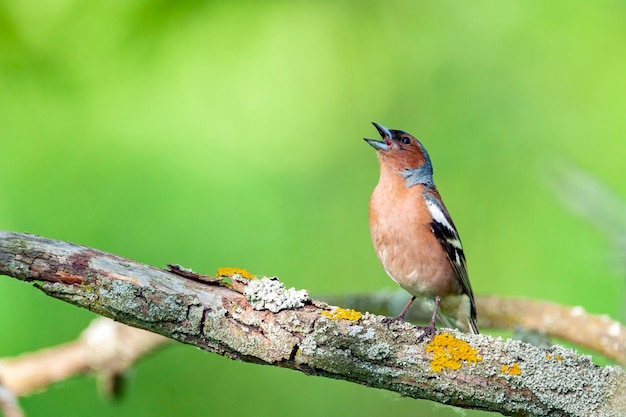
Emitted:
pixel 457 313
pixel 473 327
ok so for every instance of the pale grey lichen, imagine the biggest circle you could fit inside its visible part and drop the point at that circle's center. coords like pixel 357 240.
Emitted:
pixel 355 330
pixel 271 294
pixel 378 351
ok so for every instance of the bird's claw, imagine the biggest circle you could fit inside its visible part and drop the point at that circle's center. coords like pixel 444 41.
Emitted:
pixel 427 332
pixel 391 320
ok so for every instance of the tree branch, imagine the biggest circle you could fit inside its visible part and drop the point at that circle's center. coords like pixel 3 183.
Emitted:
pixel 595 332
pixel 473 371
pixel 8 404
pixel 105 348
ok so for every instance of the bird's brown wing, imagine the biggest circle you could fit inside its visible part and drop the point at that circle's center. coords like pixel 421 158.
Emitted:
pixel 444 230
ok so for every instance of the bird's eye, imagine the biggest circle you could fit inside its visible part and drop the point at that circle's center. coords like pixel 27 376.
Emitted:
pixel 406 140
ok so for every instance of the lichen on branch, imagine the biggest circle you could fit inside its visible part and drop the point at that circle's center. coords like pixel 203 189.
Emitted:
pixel 455 368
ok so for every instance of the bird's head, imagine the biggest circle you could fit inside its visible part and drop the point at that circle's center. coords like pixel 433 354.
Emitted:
pixel 400 151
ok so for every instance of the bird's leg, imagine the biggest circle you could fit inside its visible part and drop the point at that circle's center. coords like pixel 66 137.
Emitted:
pixel 430 329
pixel 400 317
pixel 404 311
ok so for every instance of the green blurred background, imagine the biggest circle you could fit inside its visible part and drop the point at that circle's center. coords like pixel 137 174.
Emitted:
pixel 230 134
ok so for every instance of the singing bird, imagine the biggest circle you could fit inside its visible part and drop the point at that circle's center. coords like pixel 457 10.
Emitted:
pixel 414 236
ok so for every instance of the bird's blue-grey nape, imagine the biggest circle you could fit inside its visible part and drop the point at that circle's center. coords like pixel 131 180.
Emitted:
pixel 420 175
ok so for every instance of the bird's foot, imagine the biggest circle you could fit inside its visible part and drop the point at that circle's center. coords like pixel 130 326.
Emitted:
pixel 391 320
pixel 400 319
pixel 428 331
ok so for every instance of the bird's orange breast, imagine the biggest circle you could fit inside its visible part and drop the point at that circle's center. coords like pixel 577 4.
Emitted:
pixel 401 232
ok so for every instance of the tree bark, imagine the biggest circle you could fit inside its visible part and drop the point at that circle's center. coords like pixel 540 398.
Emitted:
pixel 472 371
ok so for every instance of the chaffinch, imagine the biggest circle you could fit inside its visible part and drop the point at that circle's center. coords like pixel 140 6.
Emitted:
pixel 413 234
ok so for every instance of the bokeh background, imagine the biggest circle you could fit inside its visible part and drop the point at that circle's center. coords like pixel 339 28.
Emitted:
pixel 214 133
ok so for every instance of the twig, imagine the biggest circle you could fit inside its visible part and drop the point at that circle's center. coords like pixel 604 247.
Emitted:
pixel 8 404
pixel 473 371
pixel 105 347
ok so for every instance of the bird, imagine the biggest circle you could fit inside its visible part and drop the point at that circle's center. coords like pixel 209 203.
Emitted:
pixel 414 236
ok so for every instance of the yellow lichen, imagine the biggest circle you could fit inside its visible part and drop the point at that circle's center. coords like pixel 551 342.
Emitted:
pixel 341 313
pixel 557 357
pixel 511 369
pixel 228 272
pixel 450 352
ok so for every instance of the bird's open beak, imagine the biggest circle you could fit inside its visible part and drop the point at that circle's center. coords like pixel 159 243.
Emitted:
pixel 380 145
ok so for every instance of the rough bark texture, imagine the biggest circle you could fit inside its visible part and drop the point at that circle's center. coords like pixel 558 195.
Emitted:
pixel 473 371
pixel 598 333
